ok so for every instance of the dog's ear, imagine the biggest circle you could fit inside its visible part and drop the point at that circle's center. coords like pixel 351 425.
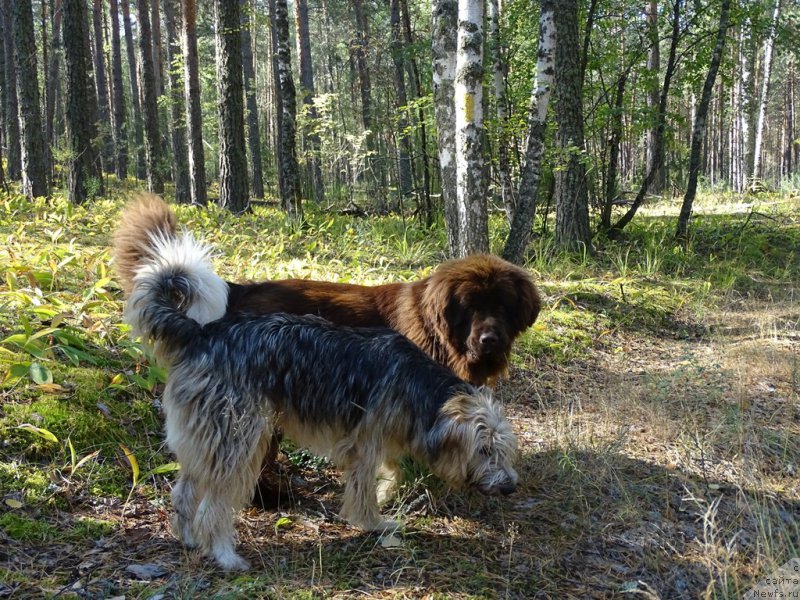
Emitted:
pixel 446 447
pixel 529 303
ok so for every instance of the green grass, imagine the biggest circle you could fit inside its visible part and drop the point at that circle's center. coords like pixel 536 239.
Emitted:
pixel 655 377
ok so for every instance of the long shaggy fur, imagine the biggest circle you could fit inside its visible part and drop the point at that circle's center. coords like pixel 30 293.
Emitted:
pixel 466 315
pixel 365 398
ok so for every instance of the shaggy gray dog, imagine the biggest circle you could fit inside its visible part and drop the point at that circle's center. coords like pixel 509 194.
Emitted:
pixel 364 397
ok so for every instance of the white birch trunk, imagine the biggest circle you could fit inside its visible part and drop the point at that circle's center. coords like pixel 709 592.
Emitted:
pixel 470 191
pixel 762 102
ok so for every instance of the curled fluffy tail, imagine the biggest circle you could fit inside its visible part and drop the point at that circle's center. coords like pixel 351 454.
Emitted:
pixel 174 292
pixel 147 242
pixel 145 219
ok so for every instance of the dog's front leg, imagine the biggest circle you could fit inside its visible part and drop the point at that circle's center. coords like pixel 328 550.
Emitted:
pixel 360 505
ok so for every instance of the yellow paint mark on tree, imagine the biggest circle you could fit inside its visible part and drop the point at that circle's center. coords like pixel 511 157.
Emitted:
pixel 469 107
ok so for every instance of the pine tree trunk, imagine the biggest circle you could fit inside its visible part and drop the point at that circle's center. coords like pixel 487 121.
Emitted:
pixel 13 141
pixel 233 193
pixel 405 181
pixel 34 170
pixel 101 83
pixel 3 85
pixel 290 179
pixel 443 50
pixel 762 103
pixel 698 131
pixel 572 196
pixel 133 72
pixel 365 89
pixel 312 141
pixel 194 114
pixel 118 94
pixel 52 83
pixel 84 167
pixel 253 134
pixel 158 53
pixel 470 189
pixel 152 137
pixel 276 96
pixel 522 222
pixel 421 127
pixel 180 159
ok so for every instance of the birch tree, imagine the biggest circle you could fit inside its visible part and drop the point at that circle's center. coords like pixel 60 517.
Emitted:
pixel 525 210
pixel 769 44
pixel 468 93
pixel 698 131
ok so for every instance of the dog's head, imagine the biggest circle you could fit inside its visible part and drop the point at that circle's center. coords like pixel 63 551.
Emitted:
pixel 478 306
pixel 471 444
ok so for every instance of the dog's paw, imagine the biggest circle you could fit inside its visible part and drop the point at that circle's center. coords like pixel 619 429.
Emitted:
pixel 232 562
pixel 388 526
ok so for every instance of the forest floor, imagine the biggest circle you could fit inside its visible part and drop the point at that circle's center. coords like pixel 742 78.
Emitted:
pixel 656 400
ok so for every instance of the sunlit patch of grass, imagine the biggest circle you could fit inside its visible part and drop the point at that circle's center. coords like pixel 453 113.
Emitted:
pixel 24 529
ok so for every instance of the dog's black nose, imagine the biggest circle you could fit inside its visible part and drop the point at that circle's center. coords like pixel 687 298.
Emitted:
pixel 507 488
pixel 488 338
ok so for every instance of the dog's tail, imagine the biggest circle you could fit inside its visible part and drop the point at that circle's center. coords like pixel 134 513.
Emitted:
pixel 145 220
pixel 174 292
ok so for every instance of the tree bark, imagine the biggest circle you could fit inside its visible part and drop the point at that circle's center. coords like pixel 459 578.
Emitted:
pixel 405 181
pixel 522 222
pixel 253 135
pixel 152 138
pixel 101 83
pixel 84 163
pixel 118 94
pixel 572 197
pixel 52 83
pixel 312 141
pixel 180 159
pixel 698 131
pixel 501 106
pixel 470 189
pixel 233 193
pixel 365 89
pixel 290 179
pixel 769 44
pixel 421 127
pixel 616 126
pixel 443 50
pixel 194 114
pixel 34 171
pixel 158 53
pixel 13 142
pixel 133 72
pixel 653 68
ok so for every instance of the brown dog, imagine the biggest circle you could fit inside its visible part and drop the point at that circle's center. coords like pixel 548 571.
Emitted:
pixel 465 315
